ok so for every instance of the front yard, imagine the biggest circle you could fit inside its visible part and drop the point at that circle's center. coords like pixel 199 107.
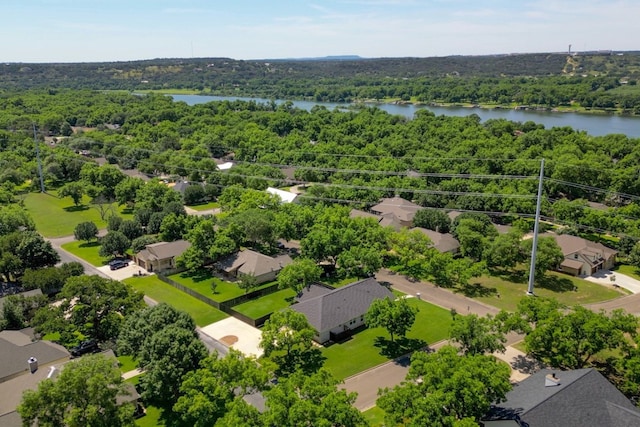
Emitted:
pixel 505 291
pixel 86 251
pixel 371 347
pixel 154 288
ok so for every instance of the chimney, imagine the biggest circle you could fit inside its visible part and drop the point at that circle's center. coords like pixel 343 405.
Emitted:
pixel 551 380
pixel 33 364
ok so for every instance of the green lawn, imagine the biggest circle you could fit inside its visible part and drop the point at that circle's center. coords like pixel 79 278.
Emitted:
pixel 205 206
pixel 505 291
pixel 154 288
pixel 55 217
pixel 126 363
pixel 374 416
pixel 266 304
pixel 371 347
pixel 629 270
pixel 338 283
pixel 86 251
pixel 201 283
pixel 152 417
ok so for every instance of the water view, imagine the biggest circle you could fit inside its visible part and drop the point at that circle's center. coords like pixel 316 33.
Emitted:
pixel 597 125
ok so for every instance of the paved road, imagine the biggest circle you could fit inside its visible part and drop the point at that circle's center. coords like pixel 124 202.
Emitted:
pixel 392 373
pixel 631 304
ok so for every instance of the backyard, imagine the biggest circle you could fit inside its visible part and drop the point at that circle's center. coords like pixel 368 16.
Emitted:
pixel 154 288
pixel 57 217
pixel 372 346
pixel 266 304
pixel 202 280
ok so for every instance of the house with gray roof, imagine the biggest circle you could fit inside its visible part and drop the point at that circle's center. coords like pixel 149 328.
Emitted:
pixel 386 220
pixel 442 242
pixel 582 397
pixel 336 312
pixel 403 210
pixel 264 268
pixel 161 256
pixel 583 257
pixel 26 294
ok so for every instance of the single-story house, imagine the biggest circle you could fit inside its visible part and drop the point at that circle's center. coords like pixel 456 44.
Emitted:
pixel 336 312
pixel 583 257
pixel 161 256
pixel 402 209
pixel 264 268
pixel 31 293
pixel 285 196
pixel 582 397
pixel 442 242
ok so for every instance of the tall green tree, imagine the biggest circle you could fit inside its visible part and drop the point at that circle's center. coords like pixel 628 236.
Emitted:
pixel 477 335
pixel 396 316
pixel 75 190
pixel 444 389
pixel 548 256
pixel 86 231
pixel 113 244
pixel 432 219
pixel 301 273
pixel 287 341
pixel 86 393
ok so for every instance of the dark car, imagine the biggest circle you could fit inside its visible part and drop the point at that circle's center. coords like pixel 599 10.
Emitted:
pixel 118 263
pixel 89 346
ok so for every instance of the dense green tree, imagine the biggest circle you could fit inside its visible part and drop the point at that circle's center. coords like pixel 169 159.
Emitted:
pixel 287 341
pixel 140 326
pixel 311 400
pixel 193 194
pixel 432 219
pixel 173 227
pixel 359 261
pixel 548 256
pixel 505 251
pixel 113 244
pixel 114 222
pixel 302 272
pixel 166 357
pixel 570 340
pixel 206 392
pixel 86 393
pixel 14 218
pixel 126 191
pixel 154 195
pixel 477 335
pixel 131 229
pixel 444 388
pixel 396 316
pixel 75 190
pixel 86 231
pixel 139 243
pixel 33 251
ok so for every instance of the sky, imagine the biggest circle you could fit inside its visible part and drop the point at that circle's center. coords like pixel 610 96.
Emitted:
pixel 123 30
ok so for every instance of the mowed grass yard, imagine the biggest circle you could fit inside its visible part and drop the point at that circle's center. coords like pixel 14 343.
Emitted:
pixel 505 291
pixel 372 346
pixel 267 304
pixel 201 281
pixel 57 217
pixel 87 251
pixel 154 288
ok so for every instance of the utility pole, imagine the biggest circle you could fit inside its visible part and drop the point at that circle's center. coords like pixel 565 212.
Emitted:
pixel 35 139
pixel 534 247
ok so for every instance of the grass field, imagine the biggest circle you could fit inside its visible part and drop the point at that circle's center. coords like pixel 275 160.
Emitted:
pixel 56 217
pixel 374 416
pixel 86 251
pixel 201 281
pixel 338 283
pixel 506 291
pixel 126 363
pixel 154 288
pixel 629 270
pixel 371 347
pixel 266 304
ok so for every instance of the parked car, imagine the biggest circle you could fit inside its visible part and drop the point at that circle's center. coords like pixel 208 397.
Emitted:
pixel 118 263
pixel 89 346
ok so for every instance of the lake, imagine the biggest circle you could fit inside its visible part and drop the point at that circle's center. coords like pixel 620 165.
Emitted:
pixel 593 124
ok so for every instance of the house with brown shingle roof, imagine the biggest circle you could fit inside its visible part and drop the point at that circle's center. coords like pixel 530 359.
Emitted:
pixel 403 210
pixel 442 242
pixel 583 257
pixel 264 268
pixel 161 256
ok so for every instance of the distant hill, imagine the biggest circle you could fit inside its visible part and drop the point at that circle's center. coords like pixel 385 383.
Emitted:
pixel 320 58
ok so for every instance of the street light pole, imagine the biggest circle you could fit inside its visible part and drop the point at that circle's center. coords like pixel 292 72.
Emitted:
pixel 534 247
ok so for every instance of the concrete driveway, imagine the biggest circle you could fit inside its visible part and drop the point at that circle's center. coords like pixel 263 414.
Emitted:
pixel 604 277
pixel 122 273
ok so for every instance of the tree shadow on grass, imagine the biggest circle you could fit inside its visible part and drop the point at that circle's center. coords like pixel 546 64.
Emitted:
pixel 475 290
pixel 399 347
pixel 514 276
pixel 76 208
pixel 556 283
pixel 92 244
pixel 197 276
